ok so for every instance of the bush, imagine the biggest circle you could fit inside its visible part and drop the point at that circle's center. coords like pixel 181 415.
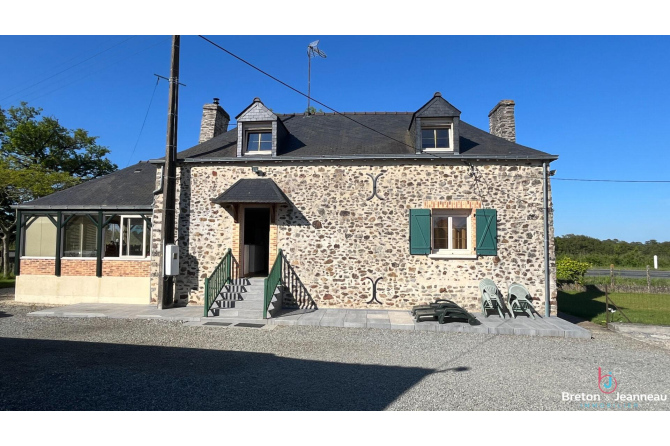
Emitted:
pixel 571 271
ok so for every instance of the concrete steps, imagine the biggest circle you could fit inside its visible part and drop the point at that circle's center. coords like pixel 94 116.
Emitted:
pixel 240 301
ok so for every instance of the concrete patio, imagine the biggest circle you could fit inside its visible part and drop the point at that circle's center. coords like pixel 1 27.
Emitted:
pixel 379 319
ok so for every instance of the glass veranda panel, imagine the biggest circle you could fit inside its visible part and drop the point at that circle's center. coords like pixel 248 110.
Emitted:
pixel 40 238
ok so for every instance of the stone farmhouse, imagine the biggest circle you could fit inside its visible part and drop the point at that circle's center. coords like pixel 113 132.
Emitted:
pixel 359 210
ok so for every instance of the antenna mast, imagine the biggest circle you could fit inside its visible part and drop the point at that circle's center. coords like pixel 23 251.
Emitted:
pixel 312 51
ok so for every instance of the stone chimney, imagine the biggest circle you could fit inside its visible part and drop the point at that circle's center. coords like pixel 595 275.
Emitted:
pixel 501 120
pixel 214 121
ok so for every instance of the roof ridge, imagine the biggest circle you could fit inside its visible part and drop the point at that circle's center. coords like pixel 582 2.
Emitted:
pixel 347 113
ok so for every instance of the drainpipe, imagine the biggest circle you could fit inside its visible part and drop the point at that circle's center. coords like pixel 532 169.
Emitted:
pixel 547 274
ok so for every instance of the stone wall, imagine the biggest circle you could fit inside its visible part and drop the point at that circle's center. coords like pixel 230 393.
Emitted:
pixel 501 120
pixel 334 237
pixel 214 122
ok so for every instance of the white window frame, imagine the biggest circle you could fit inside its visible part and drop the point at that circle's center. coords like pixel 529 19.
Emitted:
pixel 121 238
pixel 246 141
pixel 452 253
pixel 81 241
pixel 429 124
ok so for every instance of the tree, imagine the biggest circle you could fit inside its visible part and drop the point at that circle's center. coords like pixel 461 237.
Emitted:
pixel 38 156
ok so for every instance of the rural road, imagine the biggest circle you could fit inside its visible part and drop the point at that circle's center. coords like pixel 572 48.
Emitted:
pixel 631 273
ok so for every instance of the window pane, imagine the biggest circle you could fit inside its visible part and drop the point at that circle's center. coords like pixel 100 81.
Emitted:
pixel 266 137
pixel 112 237
pixel 133 236
pixel 40 238
pixel 253 140
pixel 266 145
pixel 427 139
pixel 147 241
pixel 80 237
pixel 459 234
pixel 440 232
pixel 442 138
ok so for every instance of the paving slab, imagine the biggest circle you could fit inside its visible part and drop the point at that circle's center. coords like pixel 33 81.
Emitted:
pixel 570 330
pixel 331 317
pixel 453 327
pixel 517 327
pixel 408 327
pixel 354 324
pixel 378 325
pixel 332 322
pixel 426 326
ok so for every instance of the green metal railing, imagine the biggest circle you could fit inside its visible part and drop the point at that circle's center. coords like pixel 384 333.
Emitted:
pixel 219 278
pixel 271 282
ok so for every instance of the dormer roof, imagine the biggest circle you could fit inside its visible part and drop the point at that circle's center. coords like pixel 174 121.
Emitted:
pixel 256 111
pixel 437 107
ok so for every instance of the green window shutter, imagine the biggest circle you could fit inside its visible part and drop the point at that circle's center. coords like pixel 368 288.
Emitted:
pixel 419 231
pixel 487 232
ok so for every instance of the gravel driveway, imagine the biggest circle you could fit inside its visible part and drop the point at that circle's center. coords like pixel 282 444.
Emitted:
pixel 112 364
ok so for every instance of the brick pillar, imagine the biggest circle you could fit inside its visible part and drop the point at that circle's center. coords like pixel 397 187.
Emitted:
pixel 236 242
pixel 273 245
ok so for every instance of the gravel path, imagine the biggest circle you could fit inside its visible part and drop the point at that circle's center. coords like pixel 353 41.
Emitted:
pixel 113 364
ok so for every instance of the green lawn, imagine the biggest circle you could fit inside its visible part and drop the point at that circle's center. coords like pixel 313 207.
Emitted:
pixel 653 309
pixel 6 283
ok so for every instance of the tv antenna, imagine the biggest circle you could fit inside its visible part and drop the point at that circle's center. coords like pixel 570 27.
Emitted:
pixel 312 51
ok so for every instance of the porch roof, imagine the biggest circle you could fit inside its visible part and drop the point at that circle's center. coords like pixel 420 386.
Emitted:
pixel 252 190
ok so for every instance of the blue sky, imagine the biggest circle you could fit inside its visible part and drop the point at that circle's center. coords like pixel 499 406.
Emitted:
pixel 600 103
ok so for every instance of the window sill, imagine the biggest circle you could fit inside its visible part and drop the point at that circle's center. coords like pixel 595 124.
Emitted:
pixel 453 256
pixel 439 150
pixel 257 153
pixel 126 258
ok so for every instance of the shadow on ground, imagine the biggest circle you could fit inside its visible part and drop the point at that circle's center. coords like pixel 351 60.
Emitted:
pixel 583 305
pixel 69 375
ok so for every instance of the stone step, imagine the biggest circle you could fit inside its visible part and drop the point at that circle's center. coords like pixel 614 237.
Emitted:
pixel 238 304
pixel 241 298
pixel 241 314
pixel 235 288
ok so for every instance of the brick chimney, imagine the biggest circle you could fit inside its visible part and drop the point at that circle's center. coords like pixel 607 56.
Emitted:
pixel 214 121
pixel 501 120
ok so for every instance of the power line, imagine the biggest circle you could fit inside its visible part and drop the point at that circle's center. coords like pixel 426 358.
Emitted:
pixel 67 69
pixel 143 122
pixel 97 71
pixel 303 94
pixel 383 134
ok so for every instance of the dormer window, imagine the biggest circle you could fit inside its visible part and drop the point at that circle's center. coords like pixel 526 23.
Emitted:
pixel 436 135
pixel 435 127
pixel 259 141
pixel 259 131
pixel 436 138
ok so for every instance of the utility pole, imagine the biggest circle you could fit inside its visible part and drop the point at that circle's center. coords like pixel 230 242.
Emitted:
pixel 165 283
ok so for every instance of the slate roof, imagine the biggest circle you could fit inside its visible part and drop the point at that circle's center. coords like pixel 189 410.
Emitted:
pixel 129 188
pixel 252 190
pixel 327 134
pixel 376 135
